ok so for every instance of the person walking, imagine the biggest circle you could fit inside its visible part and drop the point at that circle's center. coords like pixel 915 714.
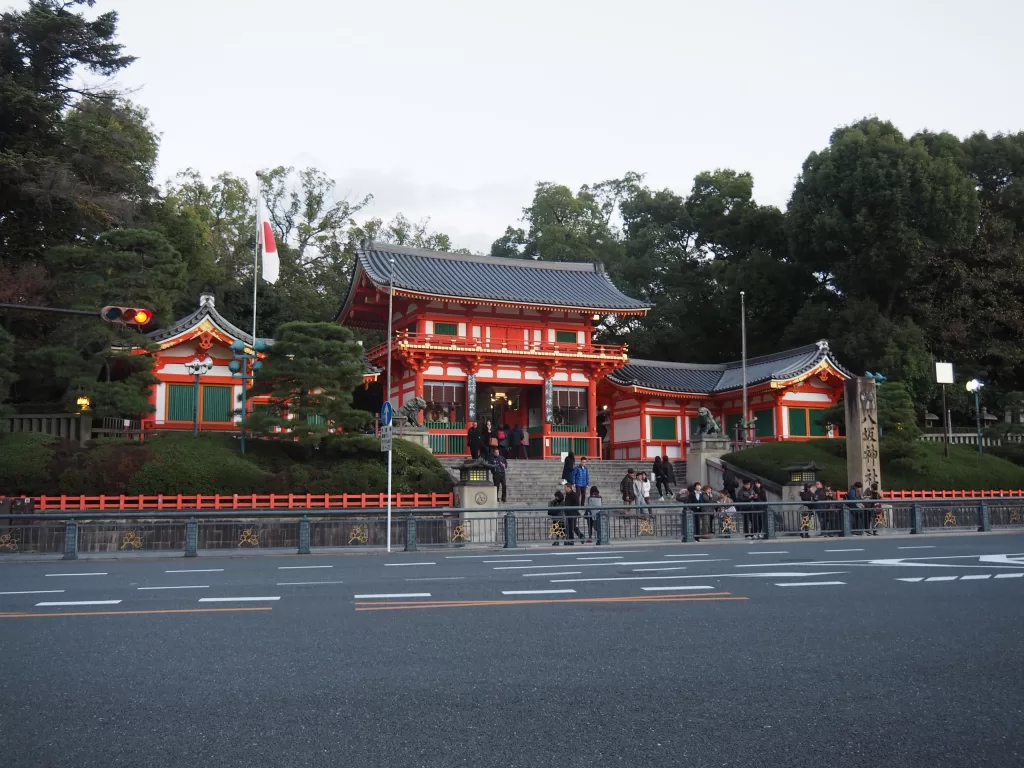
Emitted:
pixel 556 512
pixel 503 439
pixel 743 498
pixel 498 466
pixel 516 442
pixel 659 476
pixel 572 518
pixel 626 489
pixel 581 480
pixel 567 469
pixel 594 504
pixel 642 493
pixel 669 475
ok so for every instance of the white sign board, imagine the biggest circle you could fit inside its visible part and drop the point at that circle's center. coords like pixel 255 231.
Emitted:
pixel 944 373
pixel 385 438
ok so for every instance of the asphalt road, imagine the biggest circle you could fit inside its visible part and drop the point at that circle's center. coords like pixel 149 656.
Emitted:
pixel 841 652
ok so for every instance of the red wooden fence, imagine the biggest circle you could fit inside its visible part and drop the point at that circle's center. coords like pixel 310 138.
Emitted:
pixel 230 502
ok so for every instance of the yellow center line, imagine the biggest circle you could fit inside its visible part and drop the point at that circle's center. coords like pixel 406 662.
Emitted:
pixel 128 613
pixel 707 598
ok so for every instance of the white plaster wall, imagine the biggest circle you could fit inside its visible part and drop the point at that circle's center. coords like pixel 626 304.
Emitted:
pixel 626 429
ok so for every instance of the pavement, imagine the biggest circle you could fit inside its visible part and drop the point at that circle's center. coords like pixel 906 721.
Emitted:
pixel 840 652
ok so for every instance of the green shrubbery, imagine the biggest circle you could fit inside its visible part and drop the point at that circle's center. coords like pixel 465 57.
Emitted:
pixel 928 470
pixel 177 463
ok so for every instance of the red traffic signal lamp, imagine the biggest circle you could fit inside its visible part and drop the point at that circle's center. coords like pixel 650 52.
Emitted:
pixel 128 315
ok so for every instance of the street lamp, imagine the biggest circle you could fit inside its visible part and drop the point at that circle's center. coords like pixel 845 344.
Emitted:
pixel 238 369
pixel 975 385
pixel 197 368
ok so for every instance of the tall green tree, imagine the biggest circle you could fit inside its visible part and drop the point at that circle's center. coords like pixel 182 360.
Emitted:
pixel 310 373
pixel 7 372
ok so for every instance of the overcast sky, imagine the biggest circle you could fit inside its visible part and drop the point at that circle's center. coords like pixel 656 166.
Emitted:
pixel 454 109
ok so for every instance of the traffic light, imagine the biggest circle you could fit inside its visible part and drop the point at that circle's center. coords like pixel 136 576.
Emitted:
pixel 136 316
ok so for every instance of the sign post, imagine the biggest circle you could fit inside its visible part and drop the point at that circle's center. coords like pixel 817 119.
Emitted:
pixel 386 428
pixel 944 376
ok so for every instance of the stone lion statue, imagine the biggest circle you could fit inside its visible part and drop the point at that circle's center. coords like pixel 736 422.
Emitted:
pixel 706 423
pixel 411 411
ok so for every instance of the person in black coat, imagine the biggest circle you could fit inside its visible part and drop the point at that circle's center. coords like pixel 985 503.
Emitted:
pixel 669 475
pixel 516 443
pixel 572 518
pixel 473 441
pixel 567 468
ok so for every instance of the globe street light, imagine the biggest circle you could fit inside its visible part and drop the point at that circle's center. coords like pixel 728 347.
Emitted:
pixel 197 368
pixel 238 369
pixel 975 385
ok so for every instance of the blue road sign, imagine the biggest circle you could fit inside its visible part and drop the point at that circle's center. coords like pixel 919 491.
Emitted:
pixel 386 414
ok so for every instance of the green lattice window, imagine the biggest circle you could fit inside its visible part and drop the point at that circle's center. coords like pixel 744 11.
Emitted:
pixel 798 422
pixel 565 337
pixel 217 403
pixel 765 425
pixel 819 426
pixel 316 419
pixel 663 427
pixel 446 329
pixel 180 402
pixel 730 425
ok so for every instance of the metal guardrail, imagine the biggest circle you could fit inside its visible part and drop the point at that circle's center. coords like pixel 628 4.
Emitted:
pixel 188 532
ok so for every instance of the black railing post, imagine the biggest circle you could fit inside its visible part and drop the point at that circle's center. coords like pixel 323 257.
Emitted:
pixel 304 535
pixel 769 523
pixel 71 540
pixel 916 518
pixel 984 519
pixel 602 527
pixel 510 530
pixel 191 538
pixel 411 544
pixel 844 514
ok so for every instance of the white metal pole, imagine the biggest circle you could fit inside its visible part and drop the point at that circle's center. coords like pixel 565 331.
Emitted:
pixel 743 334
pixel 256 257
pixel 391 309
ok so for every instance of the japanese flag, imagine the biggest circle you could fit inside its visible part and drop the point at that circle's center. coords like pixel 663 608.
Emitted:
pixel 265 238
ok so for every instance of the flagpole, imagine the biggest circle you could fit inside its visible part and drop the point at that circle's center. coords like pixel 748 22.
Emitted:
pixel 256 257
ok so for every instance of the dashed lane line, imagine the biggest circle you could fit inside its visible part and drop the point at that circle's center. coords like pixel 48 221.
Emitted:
pixel 1009 575
pixel 34 592
pixel 544 554
pixel 560 573
pixel 391 596
pixel 843 550
pixel 767 552
pixel 301 567
pixel 930 546
pixel 198 570
pixel 782 574
pixel 508 561
pixel 67 614
pixel 596 565
pixel 602 557
pixel 403 565
pixel 304 583
pixel 810 583
pixel 439 578
pixel 969 577
pixel 692 554
pixel 941 578
pixel 76 574
pixel 539 592
pixel 703 597
pixel 236 599
pixel 78 602
pixel 976 577
pixel 644 570
pixel 673 588
pixel 183 586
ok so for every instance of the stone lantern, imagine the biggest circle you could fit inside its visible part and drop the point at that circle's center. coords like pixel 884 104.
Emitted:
pixel 796 476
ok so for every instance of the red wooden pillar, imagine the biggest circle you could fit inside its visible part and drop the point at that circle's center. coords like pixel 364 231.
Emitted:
pixel 779 426
pixel 592 413
pixel 643 429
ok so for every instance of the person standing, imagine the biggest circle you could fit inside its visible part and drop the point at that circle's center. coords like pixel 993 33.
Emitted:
pixel 488 439
pixel 807 497
pixel 857 510
pixel 503 439
pixel 642 493
pixel 581 480
pixel 594 504
pixel 516 442
pixel 567 469
pixel 473 441
pixel 556 512
pixel 760 495
pixel 572 517
pixel 659 476
pixel 626 489
pixel 498 466
pixel 669 473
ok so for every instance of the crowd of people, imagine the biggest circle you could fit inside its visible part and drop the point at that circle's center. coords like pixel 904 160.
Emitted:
pixel 483 439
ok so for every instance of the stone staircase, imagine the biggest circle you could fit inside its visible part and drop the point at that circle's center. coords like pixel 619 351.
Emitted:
pixel 533 482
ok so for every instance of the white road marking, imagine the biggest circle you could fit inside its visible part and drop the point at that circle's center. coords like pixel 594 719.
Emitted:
pixel 941 578
pixel 508 561
pixel 912 579
pixel 976 577
pixel 779 552
pixel 34 592
pixel 595 565
pixel 602 557
pixel 539 592
pixel 783 574
pixel 192 586
pixel 388 597
pixel 692 554
pixel 396 565
pixel 301 567
pixel 810 584
pixel 542 554
pixel 81 602
pixel 303 583
pixel 930 546
pixel 234 599
pixel 844 550
pixel 439 578
pixel 198 570
pixel 560 573
pixel 671 589
pixel 76 574
pixel 1009 575
pixel 644 570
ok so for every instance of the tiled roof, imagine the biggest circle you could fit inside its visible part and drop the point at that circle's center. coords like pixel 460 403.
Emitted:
pixel 435 273
pixel 724 377
pixel 207 309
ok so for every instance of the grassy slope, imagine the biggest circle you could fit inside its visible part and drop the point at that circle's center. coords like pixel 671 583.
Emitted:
pixel 964 469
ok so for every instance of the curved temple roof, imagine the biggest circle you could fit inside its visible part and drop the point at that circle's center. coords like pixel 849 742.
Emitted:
pixel 693 378
pixel 455 276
